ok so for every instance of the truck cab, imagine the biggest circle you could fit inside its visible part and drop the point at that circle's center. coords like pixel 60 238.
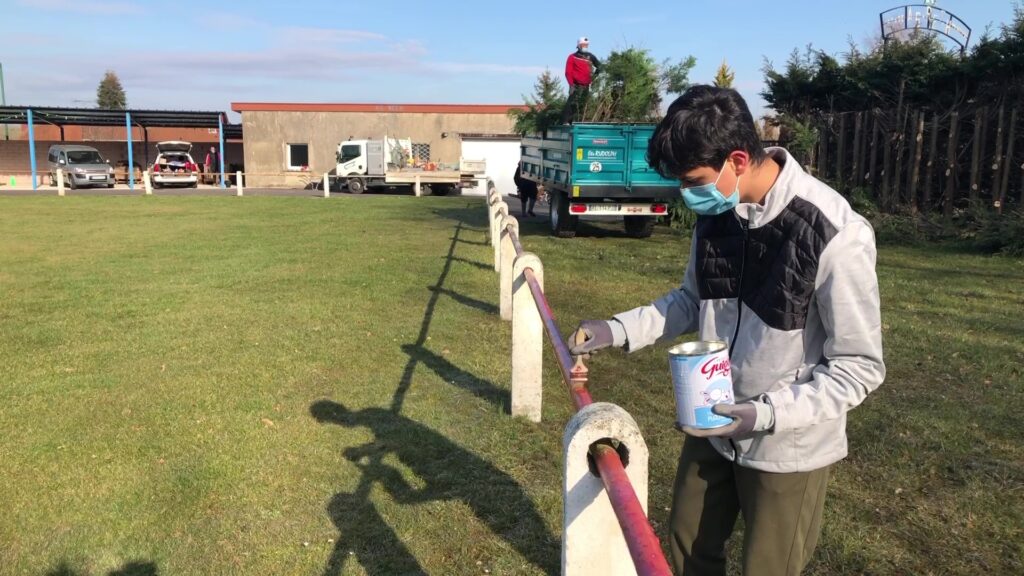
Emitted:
pixel 352 158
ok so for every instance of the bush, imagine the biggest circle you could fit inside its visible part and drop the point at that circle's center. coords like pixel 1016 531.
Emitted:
pixel 995 233
pixel 681 218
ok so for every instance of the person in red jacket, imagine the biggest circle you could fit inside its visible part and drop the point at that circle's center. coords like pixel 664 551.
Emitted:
pixel 580 69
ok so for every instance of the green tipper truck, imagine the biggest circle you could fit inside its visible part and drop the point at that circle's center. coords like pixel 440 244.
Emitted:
pixel 598 170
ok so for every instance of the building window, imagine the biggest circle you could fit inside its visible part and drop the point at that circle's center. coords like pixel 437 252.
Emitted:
pixel 297 156
pixel 421 152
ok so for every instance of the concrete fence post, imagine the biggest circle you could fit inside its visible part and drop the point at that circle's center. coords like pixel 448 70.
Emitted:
pixel 592 543
pixel 238 182
pixel 327 185
pixel 416 186
pixel 147 182
pixel 508 258
pixel 500 212
pixel 527 340
pixel 491 200
pixel 60 182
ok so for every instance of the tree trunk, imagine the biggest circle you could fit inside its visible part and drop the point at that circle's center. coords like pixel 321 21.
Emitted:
pixel 979 119
pixel 826 133
pixel 886 194
pixel 1009 160
pixel 858 120
pixel 897 171
pixel 951 149
pixel 915 172
pixel 840 152
pixel 873 166
pixel 997 161
pixel 929 169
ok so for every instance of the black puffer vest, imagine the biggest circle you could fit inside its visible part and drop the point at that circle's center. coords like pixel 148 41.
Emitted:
pixel 778 262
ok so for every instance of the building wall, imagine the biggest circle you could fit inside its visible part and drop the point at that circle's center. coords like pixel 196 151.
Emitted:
pixel 267 134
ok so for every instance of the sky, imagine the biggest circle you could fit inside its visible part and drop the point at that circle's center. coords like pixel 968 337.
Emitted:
pixel 205 55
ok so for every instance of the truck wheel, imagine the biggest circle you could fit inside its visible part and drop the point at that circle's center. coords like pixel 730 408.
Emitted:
pixel 356 185
pixel 426 190
pixel 71 183
pixel 563 224
pixel 639 226
pixel 444 189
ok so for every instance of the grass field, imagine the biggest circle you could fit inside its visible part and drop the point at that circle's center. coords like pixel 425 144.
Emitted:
pixel 300 386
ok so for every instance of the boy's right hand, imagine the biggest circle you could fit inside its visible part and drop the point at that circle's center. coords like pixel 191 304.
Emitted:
pixel 593 335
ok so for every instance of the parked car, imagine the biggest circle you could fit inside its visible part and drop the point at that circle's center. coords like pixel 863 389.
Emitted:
pixel 174 165
pixel 82 166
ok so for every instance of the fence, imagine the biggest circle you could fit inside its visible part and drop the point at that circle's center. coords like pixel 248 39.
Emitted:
pixel 926 160
pixel 606 530
pixel 146 182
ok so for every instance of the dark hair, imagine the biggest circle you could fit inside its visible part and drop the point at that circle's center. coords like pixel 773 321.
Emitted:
pixel 702 127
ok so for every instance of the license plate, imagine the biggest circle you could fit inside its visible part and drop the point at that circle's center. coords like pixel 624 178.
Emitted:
pixel 97 177
pixel 604 208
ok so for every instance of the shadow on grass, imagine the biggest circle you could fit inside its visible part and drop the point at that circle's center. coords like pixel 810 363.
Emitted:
pixel 456 376
pixel 474 263
pixel 447 471
pixel 480 305
pixel 129 569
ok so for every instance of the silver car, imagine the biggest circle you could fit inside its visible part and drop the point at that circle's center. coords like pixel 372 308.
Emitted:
pixel 82 166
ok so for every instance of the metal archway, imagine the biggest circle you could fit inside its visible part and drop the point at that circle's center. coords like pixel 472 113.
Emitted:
pixel 924 17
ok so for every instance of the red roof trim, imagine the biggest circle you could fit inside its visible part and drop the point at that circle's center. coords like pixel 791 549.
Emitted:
pixel 392 108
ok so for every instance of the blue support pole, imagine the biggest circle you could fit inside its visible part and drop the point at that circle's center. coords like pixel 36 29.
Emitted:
pixel 220 134
pixel 131 156
pixel 32 148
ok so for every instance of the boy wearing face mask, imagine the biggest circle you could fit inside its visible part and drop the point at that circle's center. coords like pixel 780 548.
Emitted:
pixel 783 270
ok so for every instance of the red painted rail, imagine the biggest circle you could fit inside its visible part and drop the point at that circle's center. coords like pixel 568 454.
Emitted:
pixel 643 544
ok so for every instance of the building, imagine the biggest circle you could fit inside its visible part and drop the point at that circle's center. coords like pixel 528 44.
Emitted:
pixel 106 131
pixel 288 144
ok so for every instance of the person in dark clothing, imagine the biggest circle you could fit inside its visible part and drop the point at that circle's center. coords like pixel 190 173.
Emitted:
pixel 580 69
pixel 212 165
pixel 527 191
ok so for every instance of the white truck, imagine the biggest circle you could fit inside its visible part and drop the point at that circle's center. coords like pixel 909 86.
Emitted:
pixel 386 163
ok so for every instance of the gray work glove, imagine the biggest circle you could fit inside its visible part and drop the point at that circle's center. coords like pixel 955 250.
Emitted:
pixel 594 335
pixel 747 418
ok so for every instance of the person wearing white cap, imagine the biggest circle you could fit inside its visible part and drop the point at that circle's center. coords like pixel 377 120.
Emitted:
pixel 580 69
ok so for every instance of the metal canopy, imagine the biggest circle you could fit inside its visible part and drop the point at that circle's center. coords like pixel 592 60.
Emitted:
pixel 109 117
pixel 145 119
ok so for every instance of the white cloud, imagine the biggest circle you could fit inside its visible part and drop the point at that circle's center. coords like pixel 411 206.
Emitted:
pixel 321 36
pixel 98 7
pixel 296 63
pixel 477 68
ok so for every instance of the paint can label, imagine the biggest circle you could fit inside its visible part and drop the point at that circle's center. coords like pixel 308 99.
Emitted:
pixel 701 378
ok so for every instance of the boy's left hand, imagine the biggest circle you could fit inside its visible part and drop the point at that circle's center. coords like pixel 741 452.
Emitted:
pixel 747 418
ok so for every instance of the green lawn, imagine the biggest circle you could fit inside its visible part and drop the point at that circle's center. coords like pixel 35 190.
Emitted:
pixel 300 386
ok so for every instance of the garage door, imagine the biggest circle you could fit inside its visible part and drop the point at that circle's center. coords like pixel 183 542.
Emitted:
pixel 502 156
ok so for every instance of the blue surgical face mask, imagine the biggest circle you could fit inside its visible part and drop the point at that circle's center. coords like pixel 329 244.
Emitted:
pixel 706 200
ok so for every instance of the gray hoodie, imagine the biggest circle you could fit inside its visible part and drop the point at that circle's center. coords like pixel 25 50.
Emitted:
pixel 808 335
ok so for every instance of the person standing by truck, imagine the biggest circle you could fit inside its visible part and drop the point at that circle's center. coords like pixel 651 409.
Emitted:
pixel 783 271
pixel 527 191
pixel 580 69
